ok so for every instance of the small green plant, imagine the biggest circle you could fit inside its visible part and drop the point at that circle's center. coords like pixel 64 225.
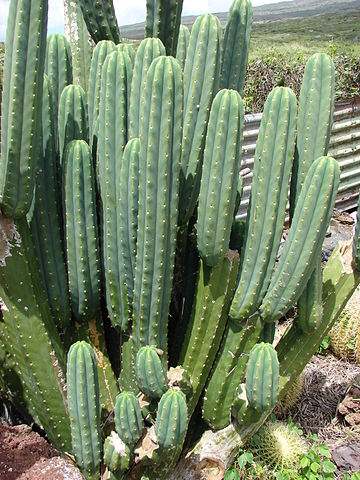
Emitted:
pixel 324 346
pixel 316 464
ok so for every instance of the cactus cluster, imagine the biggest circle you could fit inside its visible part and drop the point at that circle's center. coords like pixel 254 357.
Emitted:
pixel 120 182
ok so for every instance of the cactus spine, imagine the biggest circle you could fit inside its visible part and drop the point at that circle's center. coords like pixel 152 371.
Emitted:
pixel 236 44
pixel 183 44
pixel 113 136
pixel 58 68
pixel 84 408
pixel 21 104
pixel 73 120
pixel 46 219
pixel 201 82
pixel 148 50
pixel 150 372
pixel 158 201
pixel 163 18
pixel 128 420
pixel 221 160
pixel 100 20
pixel 81 232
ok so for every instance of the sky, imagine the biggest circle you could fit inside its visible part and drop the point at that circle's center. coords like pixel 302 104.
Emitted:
pixel 128 11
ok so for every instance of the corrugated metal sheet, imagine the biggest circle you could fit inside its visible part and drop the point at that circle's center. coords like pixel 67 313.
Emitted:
pixel 344 146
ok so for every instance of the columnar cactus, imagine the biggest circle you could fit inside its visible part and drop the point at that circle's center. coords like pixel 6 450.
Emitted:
pixel 100 53
pixel 201 83
pixel 84 408
pixel 73 119
pixel 236 46
pixel 158 200
pixel 21 104
pixel 100 19
pixel 112 139
pixel 150 372
pixel 141 184
pixel 148 50
pixel 128 420
pixel 46 218
pixel 183 44
pixel 163 18
pixel 58 68
pixel 82 243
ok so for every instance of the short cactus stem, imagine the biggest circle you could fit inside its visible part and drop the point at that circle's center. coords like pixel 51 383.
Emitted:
pixel 171 420
pixel 128 420
pixel 150 372
pixel 84 408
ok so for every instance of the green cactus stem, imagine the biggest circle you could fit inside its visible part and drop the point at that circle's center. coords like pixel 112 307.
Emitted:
pixel 128 420
pixel 183 44
pixel 29 334
pixel 113 136
pixel 21 104
pixel 262 377
pixel 236 44
pixel 171 420
pixel 316 110
pixel 163 18
pixel 117 455
pixel 148 50
pixel 82 244
pixel 100 53
pixel 214 291
pixel 58 68
pixel 150 372
pixel 310 222
pixel 201 83
pixel 100 19
pixel 84 408
pixel 158 201
pixel 221 160
pixel 46 219
pixel 266 216
pixel 73 120
pixel 81 43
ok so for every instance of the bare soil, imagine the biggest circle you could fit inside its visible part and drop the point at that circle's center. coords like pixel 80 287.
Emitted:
pixel 25 455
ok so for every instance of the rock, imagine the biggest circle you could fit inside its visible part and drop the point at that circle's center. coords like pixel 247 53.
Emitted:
pixel 347 457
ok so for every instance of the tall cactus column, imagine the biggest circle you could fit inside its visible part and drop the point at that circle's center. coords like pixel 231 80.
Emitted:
pixel 21 104
pixel 160 140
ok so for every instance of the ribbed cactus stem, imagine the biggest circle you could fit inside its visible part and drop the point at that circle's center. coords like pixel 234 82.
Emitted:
pixel 221 160
pixel 82 242
pixel 183 44
pixel 236 45
pixel 46 218
pixel 201 83
pixel 309 225
pixel 158 201
pixel 100 53
pixel 84 408
pixel 269 193
pixel 100 19
pixel 113 136
pixel 128 420
pixel 73 118
pixel 262 377
pixel 21 104
pixel 150 372
pixel 148 50
pixel 58 68
pixel 171 419
pixel 163 18
pixel 117 456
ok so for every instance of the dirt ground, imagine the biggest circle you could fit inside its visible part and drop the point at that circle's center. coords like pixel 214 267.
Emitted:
pixel 25 455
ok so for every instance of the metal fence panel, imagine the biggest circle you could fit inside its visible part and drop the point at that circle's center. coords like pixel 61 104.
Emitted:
pixel 344 147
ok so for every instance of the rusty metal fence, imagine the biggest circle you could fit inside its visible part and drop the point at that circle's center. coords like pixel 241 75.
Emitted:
pixel 344 147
